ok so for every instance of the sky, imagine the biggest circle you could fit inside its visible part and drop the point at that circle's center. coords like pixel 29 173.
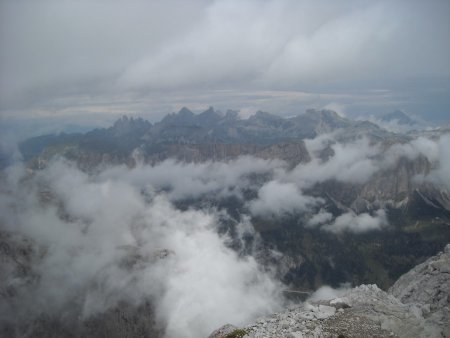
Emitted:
pixel 90 61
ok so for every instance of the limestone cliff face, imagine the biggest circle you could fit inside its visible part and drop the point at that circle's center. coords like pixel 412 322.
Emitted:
pixel 395 183
pixel 399 187
pixel 292 153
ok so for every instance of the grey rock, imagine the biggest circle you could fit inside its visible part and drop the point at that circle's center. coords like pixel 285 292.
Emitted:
pixel 416 306
pixel 427 287
pixel 296 334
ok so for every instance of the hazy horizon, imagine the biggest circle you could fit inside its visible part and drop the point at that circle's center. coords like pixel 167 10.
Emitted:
pixel 91 59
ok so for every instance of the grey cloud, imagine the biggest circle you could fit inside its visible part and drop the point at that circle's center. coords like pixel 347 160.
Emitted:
pixel 56 49
pixel 55 54
pixel 289 43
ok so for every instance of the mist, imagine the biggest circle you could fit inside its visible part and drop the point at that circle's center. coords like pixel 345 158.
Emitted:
pixel 105 242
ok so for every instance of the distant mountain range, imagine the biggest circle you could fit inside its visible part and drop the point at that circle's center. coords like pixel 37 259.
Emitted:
pixel 400 117
pixel 187 136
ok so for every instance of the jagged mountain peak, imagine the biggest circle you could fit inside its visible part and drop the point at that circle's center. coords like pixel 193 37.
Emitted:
pixel 210 112
pixel 129 120
pixel 231 115
pixel 262 117
pixel 400 116
pixel 209 116
pixel 127 124
pixel 185 112
pixel 183 116
pixel 265 115
pixel 321 114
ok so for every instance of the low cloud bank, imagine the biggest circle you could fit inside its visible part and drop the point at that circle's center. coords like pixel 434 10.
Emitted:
pixel 357 223
pixel 191 180
pixel 349 221
pixel 278 199
pixel 104 242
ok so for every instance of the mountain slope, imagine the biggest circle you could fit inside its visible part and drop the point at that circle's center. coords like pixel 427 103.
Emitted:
pixel 416 306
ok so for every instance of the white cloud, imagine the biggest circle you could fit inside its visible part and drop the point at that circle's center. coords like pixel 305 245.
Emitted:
pixel 357 223
pixel 103 240
pixel 320 218
pixel 316 145
pixel 412 150
pixel 441 175
pixel 352 162
pixel 51 58
pixel 327 293
pixel 190 180
pixel 339 108
pixel 280 199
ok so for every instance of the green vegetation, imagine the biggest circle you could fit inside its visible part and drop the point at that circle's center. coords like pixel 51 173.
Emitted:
pixel 238 333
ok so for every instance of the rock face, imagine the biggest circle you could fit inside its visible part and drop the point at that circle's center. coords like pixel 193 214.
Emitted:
pixel 292 153
pixel 427 287
pixel 185 136
pixel 416 306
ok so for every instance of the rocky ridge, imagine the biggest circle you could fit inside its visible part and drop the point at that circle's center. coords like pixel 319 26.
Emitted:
pixel 417 305
pixel 210 135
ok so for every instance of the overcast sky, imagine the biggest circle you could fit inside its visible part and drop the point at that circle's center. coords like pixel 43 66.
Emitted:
pixel 72 58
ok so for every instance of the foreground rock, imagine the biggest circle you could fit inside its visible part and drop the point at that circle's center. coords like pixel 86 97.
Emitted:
pixel 417 305
pixel 427 287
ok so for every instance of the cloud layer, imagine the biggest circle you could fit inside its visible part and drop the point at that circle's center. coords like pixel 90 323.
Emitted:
pixel 106 242
pixel 92 56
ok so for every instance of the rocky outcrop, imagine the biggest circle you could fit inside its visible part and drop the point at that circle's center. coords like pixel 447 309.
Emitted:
pixel 427 287
pixel 416 306
pixel 313 320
